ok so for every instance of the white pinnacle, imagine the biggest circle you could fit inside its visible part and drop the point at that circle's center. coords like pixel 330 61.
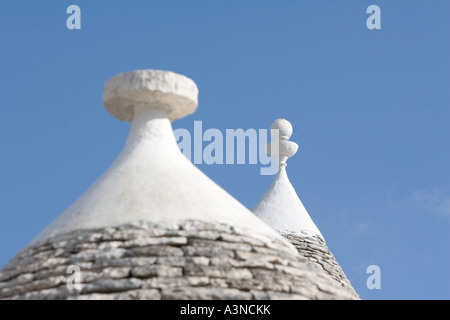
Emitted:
pixel 280 207
pixel 281 131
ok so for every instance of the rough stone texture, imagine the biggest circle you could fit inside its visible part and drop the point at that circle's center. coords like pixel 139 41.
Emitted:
pixel 174 92
pixel 315 249
pixel 192 260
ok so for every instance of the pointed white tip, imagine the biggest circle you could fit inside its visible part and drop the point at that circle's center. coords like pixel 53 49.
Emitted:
pixel 280 207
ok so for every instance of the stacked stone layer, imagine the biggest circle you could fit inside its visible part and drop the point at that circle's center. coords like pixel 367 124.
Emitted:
pixel 191 260
pixel 315 249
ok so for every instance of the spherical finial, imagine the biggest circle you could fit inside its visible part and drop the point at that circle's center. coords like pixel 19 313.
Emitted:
pixel 281 148
pixel 284 127
pixel 173 92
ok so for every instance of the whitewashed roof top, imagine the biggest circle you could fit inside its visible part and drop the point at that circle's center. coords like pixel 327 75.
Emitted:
pixel 151 180
pixel 280 207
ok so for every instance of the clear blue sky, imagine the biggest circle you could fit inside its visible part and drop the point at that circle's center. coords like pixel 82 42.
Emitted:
pixel 370 111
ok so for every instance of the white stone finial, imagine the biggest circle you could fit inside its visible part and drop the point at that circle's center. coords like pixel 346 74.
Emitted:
pixel 281 131
pixel 280 207
pixel 173 92
pixel 284 127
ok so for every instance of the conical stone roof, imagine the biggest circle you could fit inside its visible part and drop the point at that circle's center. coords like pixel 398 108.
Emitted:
pixel 155 227
pixel 282 209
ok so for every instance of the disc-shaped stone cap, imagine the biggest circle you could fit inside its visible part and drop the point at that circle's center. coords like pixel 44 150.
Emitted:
pixel 177 94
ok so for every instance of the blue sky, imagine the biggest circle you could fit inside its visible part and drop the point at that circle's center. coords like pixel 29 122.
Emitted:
pixel 370 111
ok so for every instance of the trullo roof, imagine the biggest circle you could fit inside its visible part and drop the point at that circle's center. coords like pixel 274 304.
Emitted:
pixel 155 227
pixel 282 209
